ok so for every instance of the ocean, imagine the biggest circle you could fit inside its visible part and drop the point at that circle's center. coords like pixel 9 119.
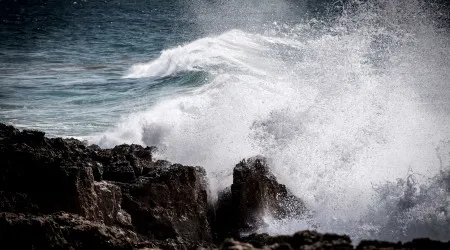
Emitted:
pixel 348 99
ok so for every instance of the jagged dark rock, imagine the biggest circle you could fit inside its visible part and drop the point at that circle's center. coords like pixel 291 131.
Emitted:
pixel 108 205
pixel 254 193
pixel 61 231
pixel 169 202
pixel 123 163
pixel 42 176
pixel 300 240
pixel 62 194
pixel 312 240
pixel 369 244
pixel 230 244
pixel 418 244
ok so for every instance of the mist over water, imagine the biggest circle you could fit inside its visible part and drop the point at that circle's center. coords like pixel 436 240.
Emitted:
pixel 351 107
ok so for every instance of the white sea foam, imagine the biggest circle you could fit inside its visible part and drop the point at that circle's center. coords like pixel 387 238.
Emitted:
pixel 233 49
pixel 339 109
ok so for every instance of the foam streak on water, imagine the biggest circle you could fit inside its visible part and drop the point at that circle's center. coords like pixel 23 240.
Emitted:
pixel 340 108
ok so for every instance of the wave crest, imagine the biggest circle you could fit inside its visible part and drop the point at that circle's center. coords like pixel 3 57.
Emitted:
pixel 338 108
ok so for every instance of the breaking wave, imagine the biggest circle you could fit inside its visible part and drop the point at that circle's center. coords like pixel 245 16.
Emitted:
pixel 352 111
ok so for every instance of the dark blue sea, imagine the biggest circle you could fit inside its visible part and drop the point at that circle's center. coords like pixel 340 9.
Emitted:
pixel 348 99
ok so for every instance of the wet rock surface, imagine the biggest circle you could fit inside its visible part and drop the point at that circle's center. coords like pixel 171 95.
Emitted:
pixel 169 202
pixel 300 240
pixel 162 204
pixel 62 194
pixel 254 193
pixel 61 231
pixel 307 240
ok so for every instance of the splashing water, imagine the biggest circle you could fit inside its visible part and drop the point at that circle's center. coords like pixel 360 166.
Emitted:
pixel 340 106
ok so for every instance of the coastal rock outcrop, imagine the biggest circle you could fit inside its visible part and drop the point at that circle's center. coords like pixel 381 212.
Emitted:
pixel 422 244
pixel 123 163
pixel 255 193
pixel 62 194
pixel 312 240
pixel 169 202
pixel 61 231
pixel 43 176
pixel 300 240
pixel 117 188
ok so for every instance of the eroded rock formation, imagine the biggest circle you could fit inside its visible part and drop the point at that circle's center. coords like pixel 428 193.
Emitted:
pixel 255 193
pixel 118 191
pixel 62 194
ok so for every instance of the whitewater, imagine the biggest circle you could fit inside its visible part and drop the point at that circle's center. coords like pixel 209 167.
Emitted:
pixel 351 110
pixel 352 114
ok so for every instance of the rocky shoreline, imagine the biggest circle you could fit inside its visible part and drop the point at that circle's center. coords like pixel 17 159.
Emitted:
pixel 62 194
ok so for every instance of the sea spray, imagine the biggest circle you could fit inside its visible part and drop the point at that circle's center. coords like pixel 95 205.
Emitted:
pixel 346 109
